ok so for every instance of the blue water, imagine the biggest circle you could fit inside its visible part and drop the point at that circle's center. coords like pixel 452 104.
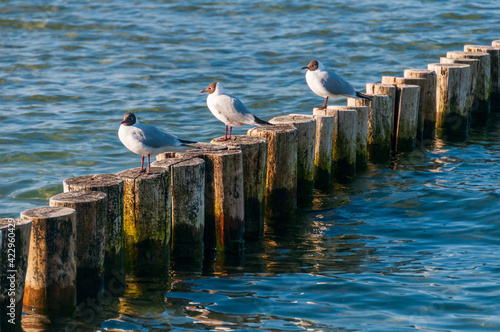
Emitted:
pixel 412 244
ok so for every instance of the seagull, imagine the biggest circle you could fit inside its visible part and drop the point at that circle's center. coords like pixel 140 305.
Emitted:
pixel 326 83
pixel 229 109
pixel 148 140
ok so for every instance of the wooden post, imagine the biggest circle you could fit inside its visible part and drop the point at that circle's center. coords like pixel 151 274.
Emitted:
pixel 384 90
pixel 453 84
pixel 224 201
pixel 344 141
pixel 306 137
pixel 112 186
pixel 188 205
pixel 494 53
pixel 281 179
pixel 483 83
pixel 407 101
pixel 14 251
pixel 90 207
pixel 422 83
pixel 379 125
pixel 427 99
pixel 323 148
pixel 254 155
pixel 362 138
pixel 147 220
pixel 474 68
pixel 51 276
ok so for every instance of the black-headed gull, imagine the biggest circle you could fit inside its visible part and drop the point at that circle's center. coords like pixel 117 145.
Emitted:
pixel 148 140
pixel 326 83
pixel 229 109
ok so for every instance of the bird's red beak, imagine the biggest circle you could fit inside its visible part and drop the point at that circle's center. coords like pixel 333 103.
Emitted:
pixel 305 67
pixel 203 91
pixel 122 122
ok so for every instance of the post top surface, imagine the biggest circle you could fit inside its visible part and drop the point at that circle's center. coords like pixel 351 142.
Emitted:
pixel 94 180
pixel 47 212
pixel 79 196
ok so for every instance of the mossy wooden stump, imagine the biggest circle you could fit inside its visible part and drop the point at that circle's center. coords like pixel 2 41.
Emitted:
pixel 14 252
pixel 90 207
pixel 344 141
pixel 323 148
pixel 188 205
pixel 404 113
pixel 306 137
pixel 494 52
pixel 224 200
pixel 482 101
pixel 281 178
pixel 112 186
pixel 379 125
pixel 254 155
pixel 147 211
pixel 427 99
pixel 383 90
pixel 453 85
pixel 50 287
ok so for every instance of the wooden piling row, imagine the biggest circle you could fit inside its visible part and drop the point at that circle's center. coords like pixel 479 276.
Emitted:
pixel 216 196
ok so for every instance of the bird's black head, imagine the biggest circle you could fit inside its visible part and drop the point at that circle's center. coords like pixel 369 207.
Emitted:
pixel 129 119
pixel 312 66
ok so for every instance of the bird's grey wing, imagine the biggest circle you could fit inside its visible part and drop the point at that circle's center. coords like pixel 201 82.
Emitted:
pixel 155 138
pixel 234 109
pixel 336 85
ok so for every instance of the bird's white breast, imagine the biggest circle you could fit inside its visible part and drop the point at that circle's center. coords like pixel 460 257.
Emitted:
pixel 316 81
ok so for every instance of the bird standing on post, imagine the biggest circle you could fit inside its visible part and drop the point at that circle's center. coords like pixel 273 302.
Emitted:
pixel 148 140
pixel 326 83
pixel 229 109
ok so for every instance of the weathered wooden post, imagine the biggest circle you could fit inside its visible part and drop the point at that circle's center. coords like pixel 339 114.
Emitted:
pixel 344 141
pixel 188 205
pixel 474 68
pixel 147 219
pixel 254 155
pixel 281 179
pixel 407 100
pixel 496 102
pixel 494 53
pixel 427 98
pixel 224 201
pixel 453 85
pixel 325 125
pixel 384 90
pixel 51 275
pixel 90 207
pixel 14 251
pixel 481 103
pixel 379 125
pixel 112 186
pixel 306 136
pixel 405 113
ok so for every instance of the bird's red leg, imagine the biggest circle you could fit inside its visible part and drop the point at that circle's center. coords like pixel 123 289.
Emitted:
pixel 148 171
pixel 326 100
pixel 225 137
pixel 230 131
pixel 142 165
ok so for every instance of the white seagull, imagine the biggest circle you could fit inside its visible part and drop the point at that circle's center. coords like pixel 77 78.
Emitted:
pixel 148 140
pixel 326 83
pixel 229 109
